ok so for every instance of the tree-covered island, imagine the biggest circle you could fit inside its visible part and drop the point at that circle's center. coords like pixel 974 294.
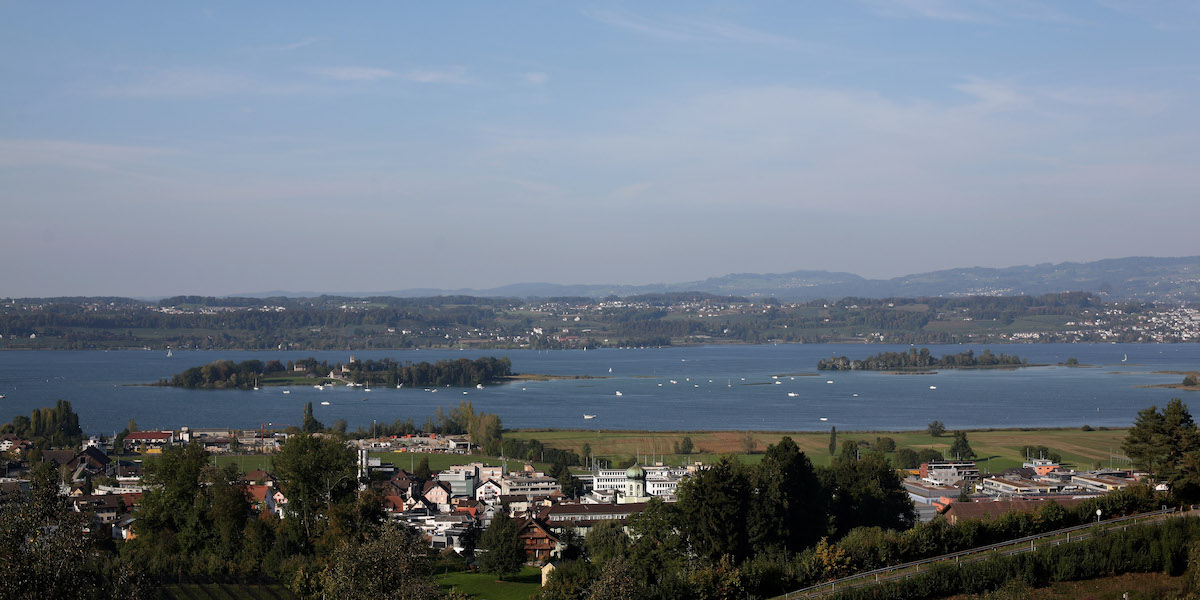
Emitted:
pixel 921 359
pixel 226 374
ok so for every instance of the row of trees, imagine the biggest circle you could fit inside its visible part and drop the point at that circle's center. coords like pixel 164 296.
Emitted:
pixel 56 426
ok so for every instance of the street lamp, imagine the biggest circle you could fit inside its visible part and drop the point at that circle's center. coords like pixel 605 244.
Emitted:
pixel 1097 515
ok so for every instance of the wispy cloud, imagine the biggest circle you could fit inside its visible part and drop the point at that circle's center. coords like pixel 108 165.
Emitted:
pixel 453 75
pixel 535 78
pixel 993 96
pixel 354 73
pixel 693 30
pixel 971 11
pixel 190 82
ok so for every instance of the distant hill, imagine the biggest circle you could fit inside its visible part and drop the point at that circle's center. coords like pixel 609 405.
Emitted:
pixel 1133 278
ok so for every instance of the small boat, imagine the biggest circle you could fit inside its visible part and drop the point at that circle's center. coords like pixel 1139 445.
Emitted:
pixel 830 381
pixel 1 396
pixel 618 393
pixel 287 391
pixel 792 394
pixel 589 416
pixel 319 387
pixel 660 385
pixel 399 385
pixel 610 369
pixel 856 395
pixel 933 387
pixel 324 403
pixel 464 392
pixel 366 389
pixel 479 386
pixel 169 355
pixel 1123 359
pixel 824 418
pixel 673 381
pixel 781 383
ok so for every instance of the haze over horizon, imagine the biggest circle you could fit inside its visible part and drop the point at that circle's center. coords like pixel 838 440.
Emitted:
pixel 215 148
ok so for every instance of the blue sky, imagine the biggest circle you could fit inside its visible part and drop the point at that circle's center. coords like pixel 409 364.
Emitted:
pixel 162 148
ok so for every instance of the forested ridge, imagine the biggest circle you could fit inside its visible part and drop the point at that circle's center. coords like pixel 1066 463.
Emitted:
pixel 332 322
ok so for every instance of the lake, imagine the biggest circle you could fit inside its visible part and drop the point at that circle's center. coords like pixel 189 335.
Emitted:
pixel 718 387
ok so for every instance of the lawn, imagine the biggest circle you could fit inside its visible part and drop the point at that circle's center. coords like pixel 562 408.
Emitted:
pixel 996 449
pixel 485 585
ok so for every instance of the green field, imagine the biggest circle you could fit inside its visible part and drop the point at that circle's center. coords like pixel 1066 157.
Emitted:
pixel 996 449
pixel 484 585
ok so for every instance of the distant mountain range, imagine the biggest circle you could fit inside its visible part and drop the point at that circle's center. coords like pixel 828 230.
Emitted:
pixel 1133 278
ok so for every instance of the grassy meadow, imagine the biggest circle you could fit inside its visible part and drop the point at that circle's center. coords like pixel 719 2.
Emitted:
pixel 996 450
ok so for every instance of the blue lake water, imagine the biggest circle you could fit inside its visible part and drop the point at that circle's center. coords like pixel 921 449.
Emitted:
pixel 719 387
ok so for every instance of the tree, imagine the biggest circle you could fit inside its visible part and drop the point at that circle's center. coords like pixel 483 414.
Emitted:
pixel 866 492
pixel 314 472
pixel 833 441
pixel 716 500
pixel 422 470
pixel 1190 380
pixel 685 446
pixel 929 455
pixel 390 566
pixel 961 449
pixel 785 485
pixel 568 484
pixel 310 424
pixel 885 444
pixel 586 453
pixel 42 553
pixel 936 429
pixel 749 443
pixel 504 550
pixel 1167 445
pixel 906 458
pixel 617 581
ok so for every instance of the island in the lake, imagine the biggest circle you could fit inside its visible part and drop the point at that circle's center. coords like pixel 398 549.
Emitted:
pixel 922 360
pixel 251 374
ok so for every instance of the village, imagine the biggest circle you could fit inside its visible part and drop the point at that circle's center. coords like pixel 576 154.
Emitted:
pixel 449 506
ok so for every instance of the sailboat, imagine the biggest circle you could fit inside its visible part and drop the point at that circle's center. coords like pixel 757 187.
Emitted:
pixel 1125 358
pixel 169 355
pixel 255 382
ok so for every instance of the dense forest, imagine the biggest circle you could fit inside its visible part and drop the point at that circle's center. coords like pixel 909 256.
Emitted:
pixel 248 374
pixel 914 359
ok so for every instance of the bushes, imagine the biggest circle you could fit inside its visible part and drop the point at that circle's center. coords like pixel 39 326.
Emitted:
pixel 1161 547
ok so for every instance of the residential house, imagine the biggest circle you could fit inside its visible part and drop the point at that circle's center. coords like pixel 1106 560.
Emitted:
pixel 540 543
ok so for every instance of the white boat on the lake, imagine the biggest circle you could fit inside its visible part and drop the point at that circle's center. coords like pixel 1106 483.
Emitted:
pixel 618 393
pixel 792 394
pixel 589 416
pixel 479 386
pixel 287 391
pixel 324 403
pixel 933 387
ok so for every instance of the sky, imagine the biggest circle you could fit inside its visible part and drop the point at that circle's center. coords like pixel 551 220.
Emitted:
pixel 161 148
